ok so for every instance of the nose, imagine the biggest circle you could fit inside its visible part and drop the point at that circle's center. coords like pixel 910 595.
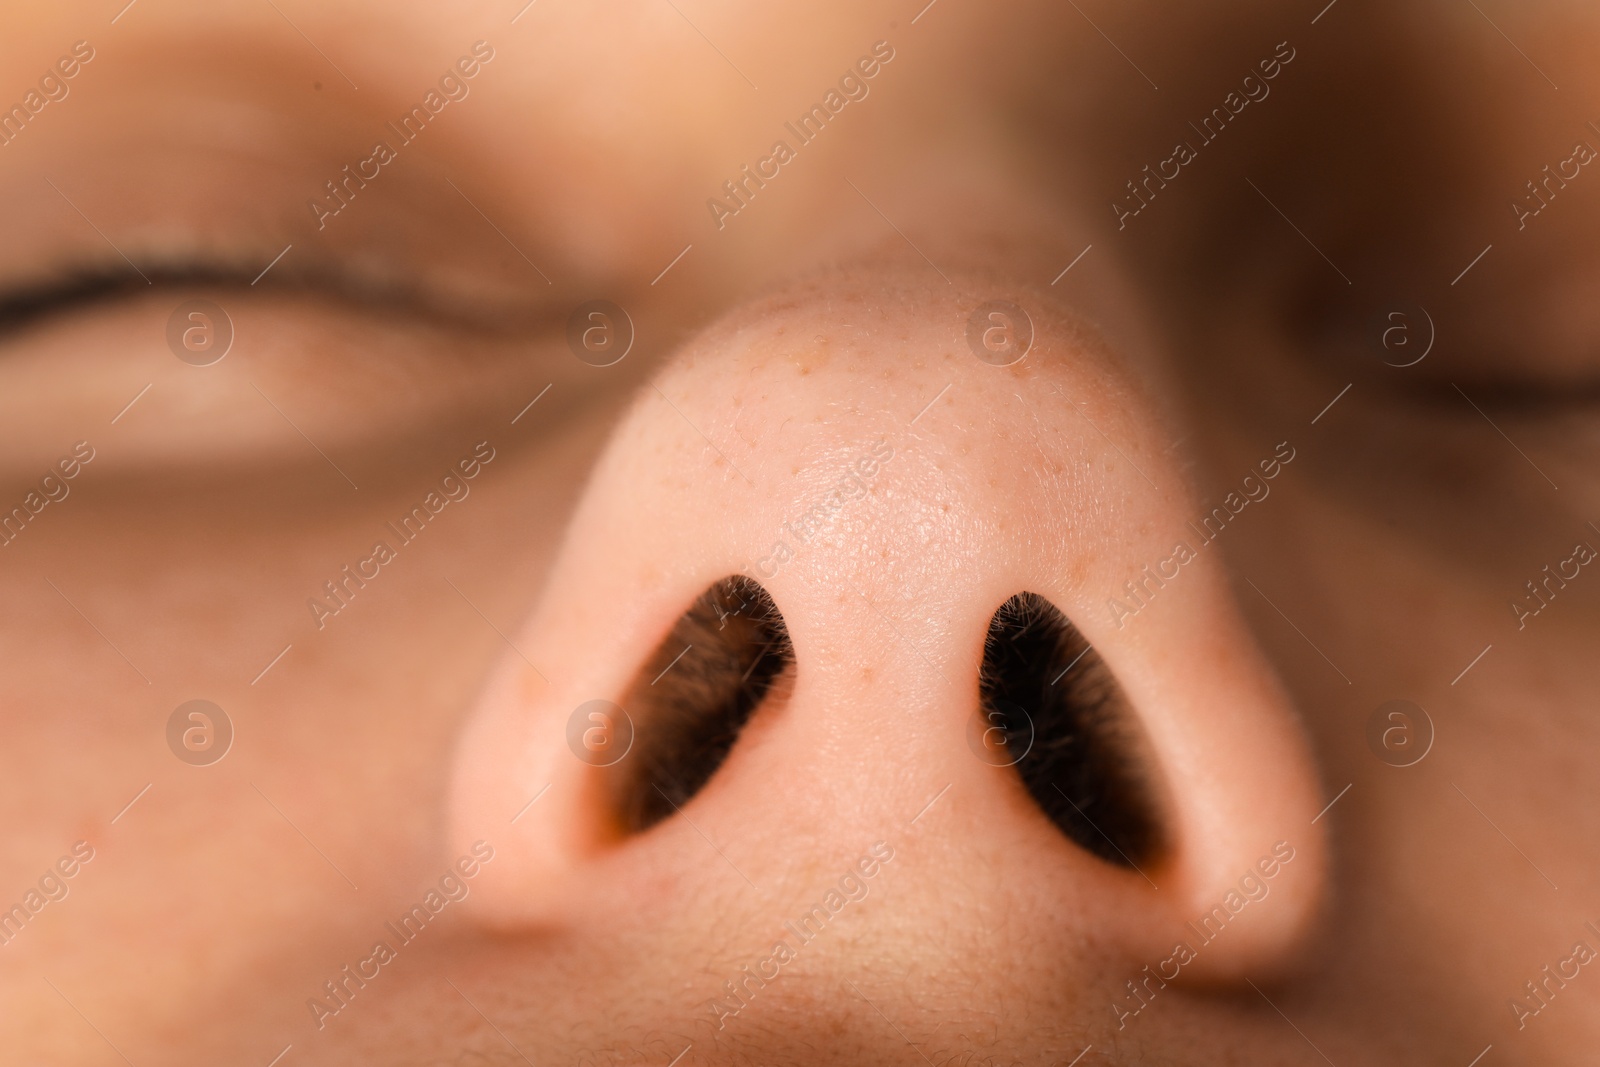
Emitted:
pixel 872 576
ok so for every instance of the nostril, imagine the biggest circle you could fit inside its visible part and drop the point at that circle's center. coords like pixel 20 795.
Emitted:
pixel 1069 732
pixel 725 655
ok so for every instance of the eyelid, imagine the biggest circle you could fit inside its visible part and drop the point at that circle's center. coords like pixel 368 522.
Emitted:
pixel 362 379
pixel 1445 359
pixel 80 287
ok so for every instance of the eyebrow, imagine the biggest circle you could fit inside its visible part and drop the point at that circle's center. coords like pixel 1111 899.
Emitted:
pixel 243 136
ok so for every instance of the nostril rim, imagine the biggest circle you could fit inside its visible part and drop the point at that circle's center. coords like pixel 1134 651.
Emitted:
pixel 1069 731
pixel 722 659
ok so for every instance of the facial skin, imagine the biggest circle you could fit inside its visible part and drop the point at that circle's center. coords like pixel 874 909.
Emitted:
pixel 1221 338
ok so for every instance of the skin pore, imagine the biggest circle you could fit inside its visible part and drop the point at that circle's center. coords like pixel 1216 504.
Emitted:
pixel 1210 219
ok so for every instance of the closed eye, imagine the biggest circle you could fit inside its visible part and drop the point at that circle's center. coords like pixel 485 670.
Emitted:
pixel 80 288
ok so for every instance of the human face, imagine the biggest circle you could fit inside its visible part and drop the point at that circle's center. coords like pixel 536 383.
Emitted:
pixel 588 462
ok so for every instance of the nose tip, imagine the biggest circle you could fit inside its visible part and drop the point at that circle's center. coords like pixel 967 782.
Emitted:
pixel 817 595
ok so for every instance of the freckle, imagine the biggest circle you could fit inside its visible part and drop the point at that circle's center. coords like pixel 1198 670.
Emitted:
pixel 866 674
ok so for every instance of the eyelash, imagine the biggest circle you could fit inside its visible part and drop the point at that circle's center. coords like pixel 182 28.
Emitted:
pixel 80 289
pixel 23 306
